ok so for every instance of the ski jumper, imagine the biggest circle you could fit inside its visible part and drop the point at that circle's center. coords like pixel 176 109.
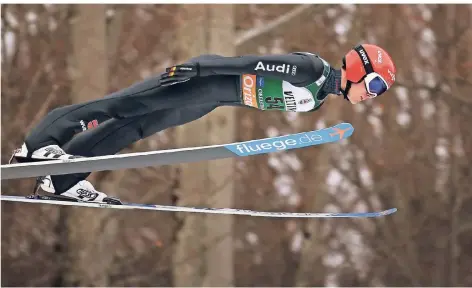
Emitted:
pixel 297 82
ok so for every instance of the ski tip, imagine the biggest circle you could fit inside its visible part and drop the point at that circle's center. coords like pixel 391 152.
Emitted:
pixel 341 131
pixel 388 212
pixel 326 135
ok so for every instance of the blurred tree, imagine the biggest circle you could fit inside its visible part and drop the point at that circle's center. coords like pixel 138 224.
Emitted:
pixel 317 165
pixel 204 248
pixel 89 231
pixel 34 80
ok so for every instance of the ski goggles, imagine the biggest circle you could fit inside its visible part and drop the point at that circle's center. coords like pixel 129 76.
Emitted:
pixel 375 84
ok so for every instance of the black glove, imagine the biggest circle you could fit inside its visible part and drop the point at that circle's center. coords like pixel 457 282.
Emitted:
pixel 179 74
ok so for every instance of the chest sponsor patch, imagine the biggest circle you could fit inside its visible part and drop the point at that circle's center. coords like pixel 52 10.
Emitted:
pixel 248 88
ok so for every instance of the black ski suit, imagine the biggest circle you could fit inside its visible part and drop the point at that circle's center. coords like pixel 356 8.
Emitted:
pixel 145 108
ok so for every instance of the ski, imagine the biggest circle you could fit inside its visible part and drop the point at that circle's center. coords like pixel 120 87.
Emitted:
pixel 40 199
pixel 177 156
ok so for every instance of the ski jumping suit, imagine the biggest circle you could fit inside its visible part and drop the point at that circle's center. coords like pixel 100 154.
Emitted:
pixel 289 82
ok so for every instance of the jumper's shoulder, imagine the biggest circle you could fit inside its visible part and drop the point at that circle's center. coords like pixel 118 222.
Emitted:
pixel 317 59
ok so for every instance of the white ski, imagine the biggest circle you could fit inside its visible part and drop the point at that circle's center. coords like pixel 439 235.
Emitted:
pixel 176 156
pixel 225 211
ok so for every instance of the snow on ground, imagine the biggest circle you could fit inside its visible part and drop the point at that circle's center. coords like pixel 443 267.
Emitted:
pixel 376 125
pixel 441 149
pixel 359 108
pixel 9 37
pixel 275 163
pixel 403 97
pixel 292 161
pixel 458 146
pixel 252 238
pixel 297 241
pixel 10 43
pixel 333 259
pixel 334 178
pixel 320 124
pixel 272 132
pixel 428 110
pixel 284 184
pixel 366 177
pixel 403 118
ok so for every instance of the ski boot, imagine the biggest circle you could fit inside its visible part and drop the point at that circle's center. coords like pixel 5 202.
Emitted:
pixel 80 192
pixel 83 191
pixel 50 152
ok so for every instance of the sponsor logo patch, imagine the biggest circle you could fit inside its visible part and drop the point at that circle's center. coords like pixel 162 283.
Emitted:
pixel 364 57
pixel 282 68
pixel 248 88
pixel 391 75
pixel 92 124
pixel 304 101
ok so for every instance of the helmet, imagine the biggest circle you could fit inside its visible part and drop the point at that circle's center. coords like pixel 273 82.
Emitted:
pixel 364 60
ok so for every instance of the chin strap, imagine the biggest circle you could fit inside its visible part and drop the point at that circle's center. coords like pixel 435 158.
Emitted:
pixel 346 91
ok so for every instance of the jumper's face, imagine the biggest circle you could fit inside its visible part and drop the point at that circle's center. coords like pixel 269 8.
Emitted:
pixel 357 92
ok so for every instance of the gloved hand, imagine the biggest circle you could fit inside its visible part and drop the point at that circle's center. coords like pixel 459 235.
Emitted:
pixel 179 73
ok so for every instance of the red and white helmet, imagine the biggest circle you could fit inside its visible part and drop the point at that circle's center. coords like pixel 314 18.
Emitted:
pixel 370 63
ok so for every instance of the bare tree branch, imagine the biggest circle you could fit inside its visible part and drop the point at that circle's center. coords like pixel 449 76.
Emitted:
pixel 259 31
